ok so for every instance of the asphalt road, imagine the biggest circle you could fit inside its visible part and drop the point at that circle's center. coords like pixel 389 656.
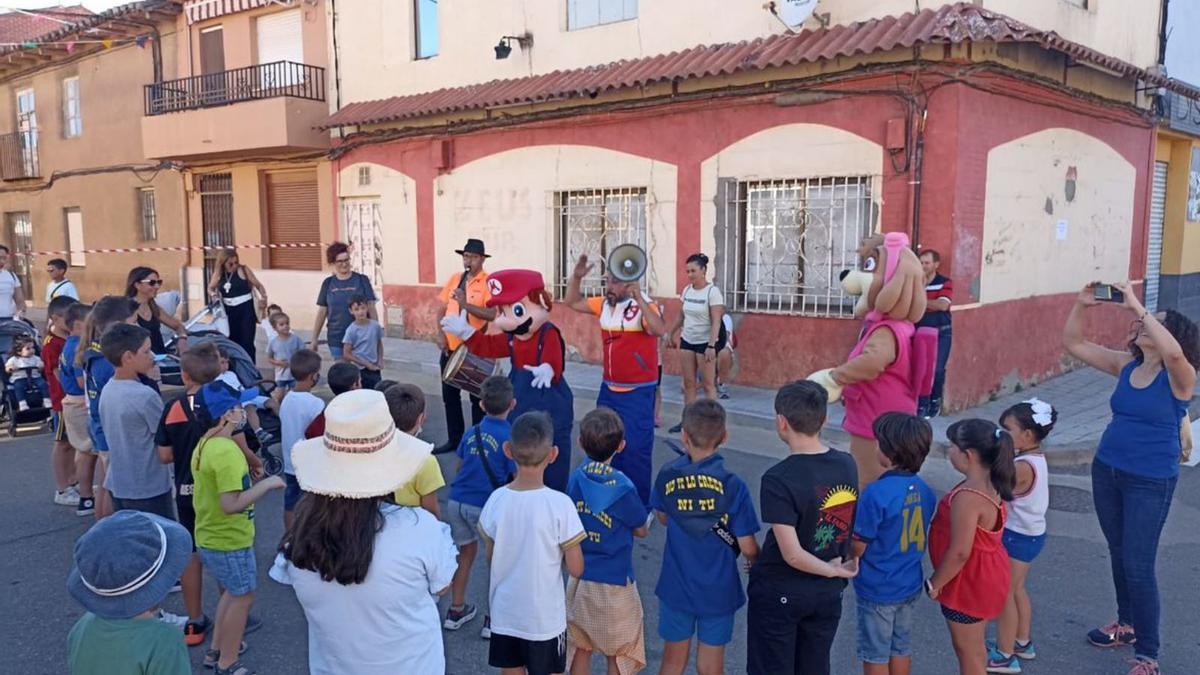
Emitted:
pixel 1070 584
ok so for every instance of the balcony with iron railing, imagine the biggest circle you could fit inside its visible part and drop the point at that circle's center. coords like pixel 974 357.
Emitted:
pixel 19 156
pixel 271 106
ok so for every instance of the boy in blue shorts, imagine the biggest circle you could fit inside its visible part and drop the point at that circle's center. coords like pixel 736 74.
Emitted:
pixel 889 538
pixel 710 521
pixel 482 467
pixel 808 499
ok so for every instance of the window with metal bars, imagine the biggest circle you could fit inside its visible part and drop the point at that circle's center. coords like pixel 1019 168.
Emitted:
pixel 148 214
pixel 594 222
pixel 216 216
pixel 782 244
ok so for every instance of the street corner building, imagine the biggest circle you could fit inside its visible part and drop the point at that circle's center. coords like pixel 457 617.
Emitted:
pixel 1018 141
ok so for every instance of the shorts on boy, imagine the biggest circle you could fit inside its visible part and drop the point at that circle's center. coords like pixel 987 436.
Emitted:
pixel 884 630
pixel 676 626
pixel 606 619
pixel 57 427
pixel 162 505
pixel 285 384
pixel 291 492
pixel 236 570
pixel 464 522
pixel 1022 547
pixel 75 419
pixel 789 631
pixel 187 513
pixel 369 378
pixel 537 658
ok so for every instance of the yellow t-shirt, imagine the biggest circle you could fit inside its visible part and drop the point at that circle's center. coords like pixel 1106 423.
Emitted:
pixel 218 466
pixel 427 481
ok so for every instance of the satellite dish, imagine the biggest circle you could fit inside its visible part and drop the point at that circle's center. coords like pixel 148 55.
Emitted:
pixel 795 12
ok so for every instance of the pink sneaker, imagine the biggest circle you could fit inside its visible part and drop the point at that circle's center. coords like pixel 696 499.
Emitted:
pixel 1143 666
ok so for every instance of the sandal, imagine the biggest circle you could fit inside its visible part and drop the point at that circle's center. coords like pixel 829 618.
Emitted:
pixel 213 655
pixel 236 668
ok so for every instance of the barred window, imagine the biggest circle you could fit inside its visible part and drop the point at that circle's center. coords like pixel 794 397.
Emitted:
pixel 148 214
pixel 782 244
pixel 594 222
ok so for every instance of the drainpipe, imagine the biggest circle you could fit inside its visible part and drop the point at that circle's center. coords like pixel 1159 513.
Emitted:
pixel 1162 33
pixel 918 172
pixel 187 242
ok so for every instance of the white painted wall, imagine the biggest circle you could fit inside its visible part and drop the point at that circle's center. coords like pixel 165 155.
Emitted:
pixel 1024 250
pixel 397 194
pixel 377 48
pixel 507 200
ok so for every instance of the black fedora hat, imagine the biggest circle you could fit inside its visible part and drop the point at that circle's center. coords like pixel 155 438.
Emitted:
pixel 473 246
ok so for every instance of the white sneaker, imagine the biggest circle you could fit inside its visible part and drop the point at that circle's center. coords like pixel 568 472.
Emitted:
pixel 46 403
pixel 22 405
pixel 68 497
pixel 172 619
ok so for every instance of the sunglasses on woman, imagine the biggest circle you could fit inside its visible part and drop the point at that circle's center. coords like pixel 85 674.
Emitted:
pixel 152 282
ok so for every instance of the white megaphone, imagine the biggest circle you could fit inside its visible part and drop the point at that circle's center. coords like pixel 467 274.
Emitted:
pixel 627 262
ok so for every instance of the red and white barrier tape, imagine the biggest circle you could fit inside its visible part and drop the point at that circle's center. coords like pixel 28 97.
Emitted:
pixel 176 249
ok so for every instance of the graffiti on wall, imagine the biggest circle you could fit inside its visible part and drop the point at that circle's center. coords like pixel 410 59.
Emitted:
pixel 1193 203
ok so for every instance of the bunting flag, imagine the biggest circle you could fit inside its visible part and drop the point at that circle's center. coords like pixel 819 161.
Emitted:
pixel 70 47
pixel 107 43
pixel 140 41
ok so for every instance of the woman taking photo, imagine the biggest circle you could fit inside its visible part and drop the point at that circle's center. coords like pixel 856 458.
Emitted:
pixel 1137 462
pixel 235 284
pixel 700 330
pixel 333 301
pixel 142 286
pixel 366 572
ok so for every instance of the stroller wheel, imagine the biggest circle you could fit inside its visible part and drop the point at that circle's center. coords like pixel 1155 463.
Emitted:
pixel 272 464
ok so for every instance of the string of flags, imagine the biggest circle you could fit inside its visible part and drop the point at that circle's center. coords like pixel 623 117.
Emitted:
pixel 108 43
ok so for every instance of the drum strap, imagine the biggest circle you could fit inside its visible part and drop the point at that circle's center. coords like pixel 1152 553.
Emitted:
pixel 487 465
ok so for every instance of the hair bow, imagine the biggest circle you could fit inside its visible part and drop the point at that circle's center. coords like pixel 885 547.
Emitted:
pixel 1043 413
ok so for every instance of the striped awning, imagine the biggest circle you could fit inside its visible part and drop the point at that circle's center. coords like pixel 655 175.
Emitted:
pixel 199 10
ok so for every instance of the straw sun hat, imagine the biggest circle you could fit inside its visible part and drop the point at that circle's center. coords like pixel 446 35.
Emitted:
pixel 362 454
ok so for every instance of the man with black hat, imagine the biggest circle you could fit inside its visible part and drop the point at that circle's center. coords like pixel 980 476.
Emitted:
pixel 465 293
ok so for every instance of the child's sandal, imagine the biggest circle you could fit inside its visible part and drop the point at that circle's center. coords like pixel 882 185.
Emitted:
pixel 213 655
pixel 236 669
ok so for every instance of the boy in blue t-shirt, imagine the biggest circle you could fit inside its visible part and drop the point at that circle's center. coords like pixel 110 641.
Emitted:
pixel 889 538
pixel 604 610
pixel 482 467
pixel 710 521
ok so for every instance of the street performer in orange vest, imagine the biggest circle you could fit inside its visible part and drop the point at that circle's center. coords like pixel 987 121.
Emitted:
pixel 630 324
pixel 538 353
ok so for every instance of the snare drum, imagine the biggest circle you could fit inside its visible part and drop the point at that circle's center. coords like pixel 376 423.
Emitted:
pixel 467 371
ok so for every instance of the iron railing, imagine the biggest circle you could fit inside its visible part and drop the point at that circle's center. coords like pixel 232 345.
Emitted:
pixel 19 155
pixel 252 83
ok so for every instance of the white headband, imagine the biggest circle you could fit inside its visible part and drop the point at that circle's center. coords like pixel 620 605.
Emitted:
pixel 142 579
pixel 1043 413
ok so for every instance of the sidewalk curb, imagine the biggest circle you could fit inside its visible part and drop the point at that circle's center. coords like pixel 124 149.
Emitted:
pixel 585 396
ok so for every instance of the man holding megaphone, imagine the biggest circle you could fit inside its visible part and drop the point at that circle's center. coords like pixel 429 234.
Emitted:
pixel 630 324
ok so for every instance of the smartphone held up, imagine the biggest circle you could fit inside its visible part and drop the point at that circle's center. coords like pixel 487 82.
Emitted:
pixel 1108 293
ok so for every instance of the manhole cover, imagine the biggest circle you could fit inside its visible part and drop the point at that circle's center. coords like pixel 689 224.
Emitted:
pixel 1071 500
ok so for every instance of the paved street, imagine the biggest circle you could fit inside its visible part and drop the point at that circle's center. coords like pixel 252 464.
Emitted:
pixel 1070 583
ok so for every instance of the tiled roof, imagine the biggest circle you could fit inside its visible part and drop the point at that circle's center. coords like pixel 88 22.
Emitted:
pixel 33 23
pixel 949 24
pixel 87 20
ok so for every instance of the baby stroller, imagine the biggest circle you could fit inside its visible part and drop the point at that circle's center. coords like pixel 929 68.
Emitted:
pixel 247 374
pixel 12 418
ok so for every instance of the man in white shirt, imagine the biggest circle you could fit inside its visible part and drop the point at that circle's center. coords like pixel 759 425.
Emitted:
pixel 59 284
pixel 12 295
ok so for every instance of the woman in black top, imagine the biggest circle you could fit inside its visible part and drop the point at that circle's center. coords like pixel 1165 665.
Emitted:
pixel 142 285
pixel 235 284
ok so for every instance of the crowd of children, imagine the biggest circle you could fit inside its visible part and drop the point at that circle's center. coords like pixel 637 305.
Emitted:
pixel 184 479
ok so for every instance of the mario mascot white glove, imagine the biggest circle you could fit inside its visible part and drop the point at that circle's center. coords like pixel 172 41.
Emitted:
pixel 457 325
pixel 543 373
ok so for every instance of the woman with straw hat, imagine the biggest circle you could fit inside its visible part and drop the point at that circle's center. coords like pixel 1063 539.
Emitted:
pixel 365 571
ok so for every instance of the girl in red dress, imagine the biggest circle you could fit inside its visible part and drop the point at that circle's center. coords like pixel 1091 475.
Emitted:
pixel 971 572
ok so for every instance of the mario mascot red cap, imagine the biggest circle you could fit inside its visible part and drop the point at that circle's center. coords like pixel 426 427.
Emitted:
pixel 512 286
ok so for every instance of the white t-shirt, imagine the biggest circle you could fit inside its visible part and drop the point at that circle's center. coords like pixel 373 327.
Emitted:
pixel 530 529
pixel 389 623
pixel 697 322
pixel 58 289
pixel 17 364
pixel 8 286
pixel 298 410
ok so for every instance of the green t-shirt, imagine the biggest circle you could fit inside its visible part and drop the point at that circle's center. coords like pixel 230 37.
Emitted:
pixel 218 466
pixel 97 646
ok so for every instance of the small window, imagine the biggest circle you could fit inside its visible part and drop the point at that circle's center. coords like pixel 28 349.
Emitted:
pixel 594 222
pixel 364 176
pixel 74 222
pixel 72 117
pixel 588 13
pixel 148 214
pixel 1082 4
pixel 425 22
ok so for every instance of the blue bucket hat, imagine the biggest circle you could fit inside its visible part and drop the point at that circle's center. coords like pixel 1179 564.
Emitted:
pixel 127 563
pixel 218 398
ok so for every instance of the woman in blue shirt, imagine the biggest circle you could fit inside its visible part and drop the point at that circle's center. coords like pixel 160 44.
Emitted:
pixel 1137 462
pixel 333 300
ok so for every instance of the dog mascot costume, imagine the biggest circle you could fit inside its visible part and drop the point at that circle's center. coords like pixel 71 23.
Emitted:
pixel 537 351
pixel 892 363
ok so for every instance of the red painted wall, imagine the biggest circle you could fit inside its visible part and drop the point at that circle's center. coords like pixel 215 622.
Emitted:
pixel 963 124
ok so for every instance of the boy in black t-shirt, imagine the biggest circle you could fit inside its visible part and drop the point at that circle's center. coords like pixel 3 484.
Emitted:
pixel 808 499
